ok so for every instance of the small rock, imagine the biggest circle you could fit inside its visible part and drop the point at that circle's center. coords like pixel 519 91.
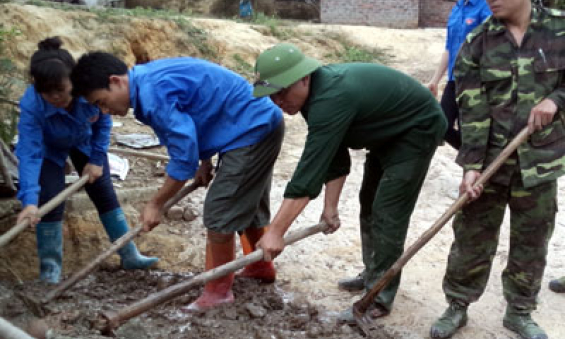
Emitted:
pixel 189 214
pixel 175 213
pixel 256 311
pixel 230 313
pixel 38 328
pixel 300 319
pixel 346 329
pixel 313 331
pixel 165 282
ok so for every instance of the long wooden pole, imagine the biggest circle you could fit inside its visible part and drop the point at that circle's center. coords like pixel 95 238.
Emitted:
pixel 360 307
pixel 147 155
pixel 111 319
pixel 48 207
pixel 9 331
pixel 119 243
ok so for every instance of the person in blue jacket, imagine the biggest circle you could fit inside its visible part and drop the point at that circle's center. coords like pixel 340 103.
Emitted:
pixel 245 9
pixel 199 109
pixel 464 17
pixel 54 125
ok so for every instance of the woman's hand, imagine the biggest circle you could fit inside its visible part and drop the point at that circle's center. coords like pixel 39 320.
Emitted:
pixel 30 212
pixel 93 171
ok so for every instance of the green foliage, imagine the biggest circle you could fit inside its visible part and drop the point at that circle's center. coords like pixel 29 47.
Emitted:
pixel 8 81
pixel 199 38
pixel 261 18
pixel 243 67
pixel 354 53
pixel 274 24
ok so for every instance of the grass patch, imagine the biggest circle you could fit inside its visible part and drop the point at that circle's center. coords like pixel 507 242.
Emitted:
pixel 354 53
pixel 276 26
pixel 243 67
pixel 198 37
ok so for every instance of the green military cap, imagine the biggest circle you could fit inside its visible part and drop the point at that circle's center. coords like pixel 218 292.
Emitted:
pixel 279 67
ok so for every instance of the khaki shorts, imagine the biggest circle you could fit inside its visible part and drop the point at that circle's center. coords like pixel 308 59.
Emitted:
pixel 239 196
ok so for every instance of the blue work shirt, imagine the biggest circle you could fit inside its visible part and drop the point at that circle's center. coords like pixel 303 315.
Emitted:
pixel 197 109
pixel 464 17
pixel 48 132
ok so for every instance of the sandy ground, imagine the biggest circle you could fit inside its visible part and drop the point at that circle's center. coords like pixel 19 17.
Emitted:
pixel 309 270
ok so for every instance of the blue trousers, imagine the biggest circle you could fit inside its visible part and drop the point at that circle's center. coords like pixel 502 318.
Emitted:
pixel 52 182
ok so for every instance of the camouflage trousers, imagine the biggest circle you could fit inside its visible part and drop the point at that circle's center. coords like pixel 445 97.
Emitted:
pixel 477 229
pixel 388 196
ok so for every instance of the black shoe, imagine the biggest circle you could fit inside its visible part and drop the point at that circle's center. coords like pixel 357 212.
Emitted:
pixel 557 285
pixel 352 284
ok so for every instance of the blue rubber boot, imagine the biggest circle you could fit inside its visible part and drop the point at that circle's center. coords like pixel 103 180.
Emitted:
pixel 50 250
pixel 116 225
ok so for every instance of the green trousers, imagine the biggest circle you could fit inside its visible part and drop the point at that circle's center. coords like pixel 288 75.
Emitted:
pixel 388 195
pixel 477 229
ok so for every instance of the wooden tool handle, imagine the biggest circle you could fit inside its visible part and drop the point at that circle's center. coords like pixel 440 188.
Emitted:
pixel 119 243
pixel 360 307
pixel 147 155
pixel 113 319
pixel 46 208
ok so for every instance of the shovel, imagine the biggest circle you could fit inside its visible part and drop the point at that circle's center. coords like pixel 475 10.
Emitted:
pixel 360 307
pixel 110 320
pixel 46 208
pixel 124 239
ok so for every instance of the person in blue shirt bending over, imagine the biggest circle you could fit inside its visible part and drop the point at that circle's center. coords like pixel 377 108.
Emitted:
pixel 54 125
pixel 464 17
pixel 199 109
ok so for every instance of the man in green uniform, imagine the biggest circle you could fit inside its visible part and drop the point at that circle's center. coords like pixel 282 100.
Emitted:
pixel 509 75
pixel 354 106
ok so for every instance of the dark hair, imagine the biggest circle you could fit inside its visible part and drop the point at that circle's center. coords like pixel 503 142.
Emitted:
pixel 50 65
pixel 93 72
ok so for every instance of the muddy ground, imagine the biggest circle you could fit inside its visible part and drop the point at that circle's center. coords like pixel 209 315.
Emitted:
pixel 262 311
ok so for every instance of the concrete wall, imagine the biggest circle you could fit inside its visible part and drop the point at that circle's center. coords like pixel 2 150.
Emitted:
pixel 385 13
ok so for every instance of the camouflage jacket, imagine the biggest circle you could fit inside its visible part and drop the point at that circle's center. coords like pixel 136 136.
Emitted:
pixel 498 83
pixel 558 4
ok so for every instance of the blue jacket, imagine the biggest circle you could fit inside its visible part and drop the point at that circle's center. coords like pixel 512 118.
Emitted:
pixel 197 109
pixel 462 20
pixel 47 132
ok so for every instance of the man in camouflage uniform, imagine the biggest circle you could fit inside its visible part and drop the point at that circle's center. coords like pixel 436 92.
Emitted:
pixel 556 285
pixel 510 74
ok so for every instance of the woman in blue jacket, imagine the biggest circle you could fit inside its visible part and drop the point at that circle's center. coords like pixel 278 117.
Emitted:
pixel 54 125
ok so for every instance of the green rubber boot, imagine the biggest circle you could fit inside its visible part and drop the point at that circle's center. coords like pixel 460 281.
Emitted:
pixel 557 285
pixel 523 324
pixel 452 320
